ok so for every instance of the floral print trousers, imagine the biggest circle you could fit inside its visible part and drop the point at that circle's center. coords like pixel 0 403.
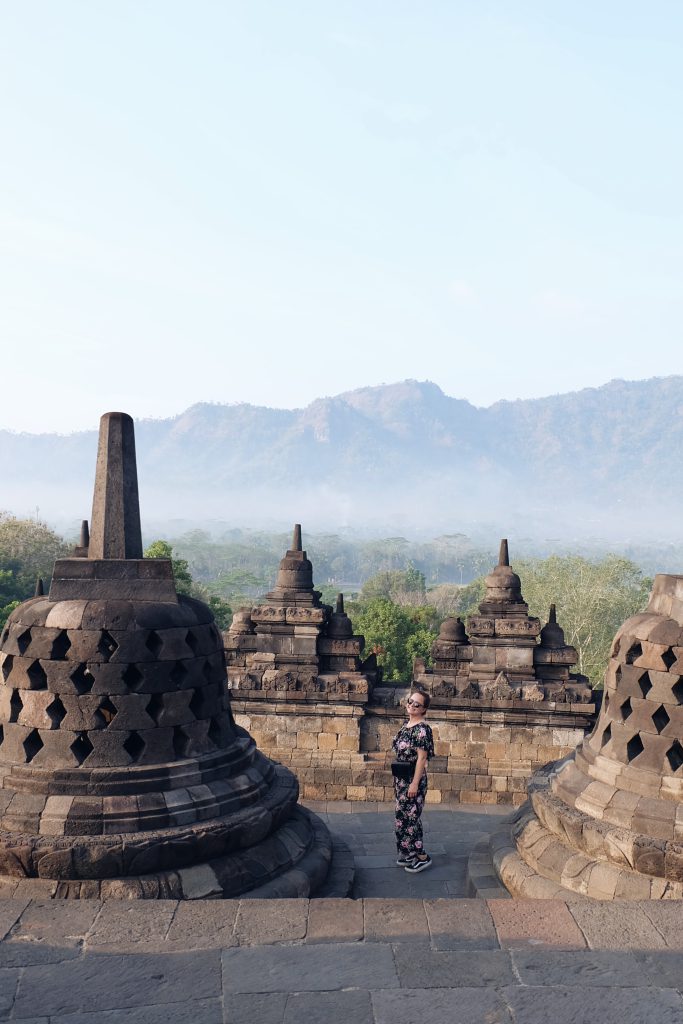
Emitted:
pixel 409 817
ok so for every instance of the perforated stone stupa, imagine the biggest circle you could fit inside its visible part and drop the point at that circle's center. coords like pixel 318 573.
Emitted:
pixel 122 770
pixel 608 821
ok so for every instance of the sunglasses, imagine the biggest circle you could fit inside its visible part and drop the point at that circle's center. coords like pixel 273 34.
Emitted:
pixel 414 703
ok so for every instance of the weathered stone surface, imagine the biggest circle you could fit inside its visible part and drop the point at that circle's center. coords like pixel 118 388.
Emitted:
pixel 124 772
pixel 321 968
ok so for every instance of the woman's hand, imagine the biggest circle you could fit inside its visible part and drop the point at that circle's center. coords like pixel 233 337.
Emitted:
pixel 412 790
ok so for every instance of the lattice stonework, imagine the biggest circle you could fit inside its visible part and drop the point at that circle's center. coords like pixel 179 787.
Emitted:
pixel 611 817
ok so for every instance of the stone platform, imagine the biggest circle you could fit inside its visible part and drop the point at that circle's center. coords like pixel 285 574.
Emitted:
pixel 387 961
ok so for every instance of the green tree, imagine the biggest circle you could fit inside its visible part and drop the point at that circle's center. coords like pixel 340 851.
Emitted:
pixel 593 599
pixel 395 633
pixel 181 573
pixel 28 549
pixel 184 583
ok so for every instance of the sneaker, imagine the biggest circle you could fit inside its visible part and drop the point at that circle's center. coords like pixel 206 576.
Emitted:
pixel 418 865
pixel 402 860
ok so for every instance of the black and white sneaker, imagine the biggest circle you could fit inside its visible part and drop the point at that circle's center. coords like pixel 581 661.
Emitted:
pixel 401 860
pixel 418 865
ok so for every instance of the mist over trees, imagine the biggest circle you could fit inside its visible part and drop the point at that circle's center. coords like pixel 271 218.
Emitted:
pixel 398 591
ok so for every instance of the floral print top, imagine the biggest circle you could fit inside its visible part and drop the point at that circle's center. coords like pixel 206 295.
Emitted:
pixel 411 738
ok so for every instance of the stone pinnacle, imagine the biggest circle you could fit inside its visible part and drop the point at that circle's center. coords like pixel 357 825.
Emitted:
pixel 39 591
pixel 84 540
pixel 296 539
pixel 340 604
pixel 115 521
pixel 503 557
pixel 552 617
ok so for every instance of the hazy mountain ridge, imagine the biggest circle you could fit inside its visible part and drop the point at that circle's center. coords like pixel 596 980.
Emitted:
pixel 405 446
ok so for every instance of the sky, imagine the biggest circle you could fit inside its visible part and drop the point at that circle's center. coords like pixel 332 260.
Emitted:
pixel 270 202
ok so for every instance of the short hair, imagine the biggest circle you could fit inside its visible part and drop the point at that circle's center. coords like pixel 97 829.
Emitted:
pixel 426 699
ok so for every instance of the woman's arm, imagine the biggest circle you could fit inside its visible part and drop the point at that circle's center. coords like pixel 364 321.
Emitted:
pixel 420 766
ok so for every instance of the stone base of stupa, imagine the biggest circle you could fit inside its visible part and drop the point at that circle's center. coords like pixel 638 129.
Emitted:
pixel 224 857
pixel 575 837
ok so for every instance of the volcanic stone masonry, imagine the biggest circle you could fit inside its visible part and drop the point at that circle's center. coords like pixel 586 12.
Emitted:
pixel 503 699
pixel 608 821
pixel 123 772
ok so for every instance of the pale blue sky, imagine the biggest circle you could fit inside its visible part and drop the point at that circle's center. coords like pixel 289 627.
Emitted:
pixel 274 201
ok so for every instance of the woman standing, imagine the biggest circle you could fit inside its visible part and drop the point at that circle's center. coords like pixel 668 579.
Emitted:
pixel 413 746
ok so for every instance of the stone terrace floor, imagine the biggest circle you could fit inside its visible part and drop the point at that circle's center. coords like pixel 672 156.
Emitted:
pixel 449 835
pixel 397 960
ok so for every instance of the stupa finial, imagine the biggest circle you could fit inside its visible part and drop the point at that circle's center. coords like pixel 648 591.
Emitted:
pixel 340 604
pixel 552 617
pixel 84 539
pixel 115 521
pixel 296 539
pixel 504 557
pixel 40 590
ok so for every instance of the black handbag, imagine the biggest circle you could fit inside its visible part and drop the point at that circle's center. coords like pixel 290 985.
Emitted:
pixel 403 770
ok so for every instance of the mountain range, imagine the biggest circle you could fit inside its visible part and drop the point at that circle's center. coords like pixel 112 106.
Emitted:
pixel 401 456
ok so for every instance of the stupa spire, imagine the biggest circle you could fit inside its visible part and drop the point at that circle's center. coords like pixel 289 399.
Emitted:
pixel 40 590
pixel 503 556
pixel 84 539
pixel 115 521
pixel 297 544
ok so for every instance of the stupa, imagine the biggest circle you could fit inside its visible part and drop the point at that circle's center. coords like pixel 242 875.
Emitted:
pixel 122 770
pixel 608 821
pixel 503 654
pixel 292 646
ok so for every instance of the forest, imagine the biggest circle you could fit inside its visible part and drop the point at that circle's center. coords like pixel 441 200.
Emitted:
pixel 397 592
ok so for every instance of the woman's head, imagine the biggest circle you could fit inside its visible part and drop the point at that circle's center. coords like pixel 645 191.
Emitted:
pixel 418 701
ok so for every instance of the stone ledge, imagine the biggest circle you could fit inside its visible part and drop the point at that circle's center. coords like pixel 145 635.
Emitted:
pixel 26 928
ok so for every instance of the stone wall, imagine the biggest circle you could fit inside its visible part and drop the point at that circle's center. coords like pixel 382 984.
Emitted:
pixel 486 751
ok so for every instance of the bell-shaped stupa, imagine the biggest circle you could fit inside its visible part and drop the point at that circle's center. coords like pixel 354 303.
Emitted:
pixel 608 821
pixel 123 771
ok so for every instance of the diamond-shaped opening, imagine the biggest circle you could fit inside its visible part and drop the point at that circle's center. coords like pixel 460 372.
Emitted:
pixel 106 645
pixel 677 690
pixel 81 747
pixel 645 684
pixel 197 704
pixel 181 742
pixel 634 651
pixel 7 666
pixel 15 706
pixel 626 709
pixel 668 658
pixel 83 679
pixel 634 747
pixel 616 646
pixel 606 736
pixel 105 712
pixel 132 677
pixel 660 718
pixel 56 712
pixel 32 744
pixel 215 732
pixel 178 674
pixel 154 643
pixel 155 706
pixel 23 641
pixel 2 735
pixel 134 745
pixel 617 674
pixel 4 635
pixel 674 756
pixel 192 642
pixel 60 646
pixel 37 676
